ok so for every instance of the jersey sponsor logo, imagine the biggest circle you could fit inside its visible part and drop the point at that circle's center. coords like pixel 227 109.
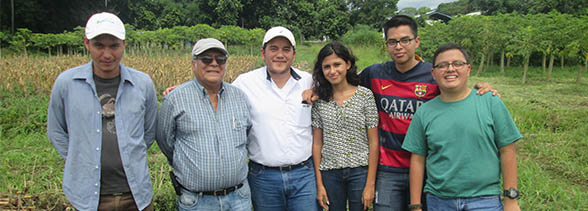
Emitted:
pixel 385 87
pixel 404 89
pixel 420 90
pixel 399 108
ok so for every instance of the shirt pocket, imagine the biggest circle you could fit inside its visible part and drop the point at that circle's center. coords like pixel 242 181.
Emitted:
pixel 133 115
pixel 239 125
pixel 303 115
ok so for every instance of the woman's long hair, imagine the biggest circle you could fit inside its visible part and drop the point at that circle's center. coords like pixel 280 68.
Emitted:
pixel 321 85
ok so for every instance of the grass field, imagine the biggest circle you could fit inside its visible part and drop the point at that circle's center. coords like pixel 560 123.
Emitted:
pixel 552 116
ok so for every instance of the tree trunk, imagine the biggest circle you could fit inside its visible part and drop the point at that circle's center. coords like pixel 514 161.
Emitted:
pixel 502 61
pixel 544 61
pixel 551 61
pixel 526 67
pixel 481 65
pixel 488 60
pixel 508 61
pixel 562 62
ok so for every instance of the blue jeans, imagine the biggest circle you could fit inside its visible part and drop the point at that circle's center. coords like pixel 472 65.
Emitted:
pixel 275 190
pixel 345 184
pixel 392 192
pixel 481 203
pixel 239 200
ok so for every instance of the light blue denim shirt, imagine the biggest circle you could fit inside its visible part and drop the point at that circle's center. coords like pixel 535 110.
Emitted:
pixel 74 124
pixel 207 149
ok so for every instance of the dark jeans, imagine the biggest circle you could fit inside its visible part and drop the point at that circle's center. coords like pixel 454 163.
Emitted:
pixel 392 191
pixel 345 185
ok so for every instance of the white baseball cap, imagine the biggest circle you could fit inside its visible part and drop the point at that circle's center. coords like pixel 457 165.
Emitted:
pixel 206 44
pixel 278 31
pixel 105 23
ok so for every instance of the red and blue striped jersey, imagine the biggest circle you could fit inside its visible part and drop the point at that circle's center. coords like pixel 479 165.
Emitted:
pixel 398 96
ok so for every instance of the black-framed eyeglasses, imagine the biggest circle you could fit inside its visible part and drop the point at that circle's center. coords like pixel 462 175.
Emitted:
pixel 208 59
pixel 404 41
pixel 456 64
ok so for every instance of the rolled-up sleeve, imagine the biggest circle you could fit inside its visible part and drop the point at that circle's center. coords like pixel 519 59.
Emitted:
pixel 56 124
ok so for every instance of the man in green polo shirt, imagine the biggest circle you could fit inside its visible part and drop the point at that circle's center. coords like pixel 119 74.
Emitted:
pixel 464 141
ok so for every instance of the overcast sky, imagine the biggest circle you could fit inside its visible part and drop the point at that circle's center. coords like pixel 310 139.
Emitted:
pixel 420 3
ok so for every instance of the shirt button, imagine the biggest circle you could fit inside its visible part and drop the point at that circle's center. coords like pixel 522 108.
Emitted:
pixel 95 193
pixel 98 112
pixel 96 184
pixel 98 130
pixel 96 167
pixel 97 148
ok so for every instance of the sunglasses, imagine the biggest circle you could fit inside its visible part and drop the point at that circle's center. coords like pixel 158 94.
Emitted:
pixel 208 59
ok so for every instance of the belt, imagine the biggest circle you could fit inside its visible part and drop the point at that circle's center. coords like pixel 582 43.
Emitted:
pixel 222 192
pixel 116 194
pixel 284 168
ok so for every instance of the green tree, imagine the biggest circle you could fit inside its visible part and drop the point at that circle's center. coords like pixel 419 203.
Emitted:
pixel 371 12
pixel 525 42
pixel 333 20
pixel 21 40
pixel 503 34
pixel 225 12
pixel 459 7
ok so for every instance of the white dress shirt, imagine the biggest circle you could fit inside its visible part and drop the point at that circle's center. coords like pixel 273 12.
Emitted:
pixel 281 132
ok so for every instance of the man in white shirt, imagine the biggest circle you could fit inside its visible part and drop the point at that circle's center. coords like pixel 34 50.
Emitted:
pixel 281 174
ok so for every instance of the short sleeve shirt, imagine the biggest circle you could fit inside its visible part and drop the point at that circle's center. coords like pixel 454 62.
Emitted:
pixel 345 143
pixel 461 142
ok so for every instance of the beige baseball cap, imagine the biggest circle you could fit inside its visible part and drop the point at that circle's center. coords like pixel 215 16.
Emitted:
pixel 105 23
pixel 206 44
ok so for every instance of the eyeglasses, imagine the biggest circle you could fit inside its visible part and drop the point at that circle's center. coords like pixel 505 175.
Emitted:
pixel 208 59
pixel 403 41
pixel 445 65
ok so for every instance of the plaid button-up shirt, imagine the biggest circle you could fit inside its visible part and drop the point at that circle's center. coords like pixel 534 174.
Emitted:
pixel 206 148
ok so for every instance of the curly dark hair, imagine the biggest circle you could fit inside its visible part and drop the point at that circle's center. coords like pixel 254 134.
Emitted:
pixel 321 85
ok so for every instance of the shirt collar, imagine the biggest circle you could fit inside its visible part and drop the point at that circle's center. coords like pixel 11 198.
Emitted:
pixel 202 90
pixel 86 73
pixel 292 73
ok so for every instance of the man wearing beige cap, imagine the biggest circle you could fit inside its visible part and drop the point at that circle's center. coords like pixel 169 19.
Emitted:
pixel 101 120
pixel 281 172
pixel 202 130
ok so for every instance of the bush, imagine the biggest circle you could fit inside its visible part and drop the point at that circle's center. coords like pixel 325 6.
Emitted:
pixel 362 35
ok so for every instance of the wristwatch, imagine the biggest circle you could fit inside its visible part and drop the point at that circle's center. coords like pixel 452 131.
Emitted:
pixel 511 193
pixel 415 206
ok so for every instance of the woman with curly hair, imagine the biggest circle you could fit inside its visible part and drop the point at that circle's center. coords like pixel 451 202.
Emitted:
pixel 345 135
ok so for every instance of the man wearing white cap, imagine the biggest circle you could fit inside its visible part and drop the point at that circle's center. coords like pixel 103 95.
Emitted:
pixel 202 130
pixel 101 120
pixel 281 172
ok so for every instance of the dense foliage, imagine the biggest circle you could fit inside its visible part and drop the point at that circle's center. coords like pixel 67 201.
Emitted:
pixel 540 36
pixel 307 17
pixel 495 7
